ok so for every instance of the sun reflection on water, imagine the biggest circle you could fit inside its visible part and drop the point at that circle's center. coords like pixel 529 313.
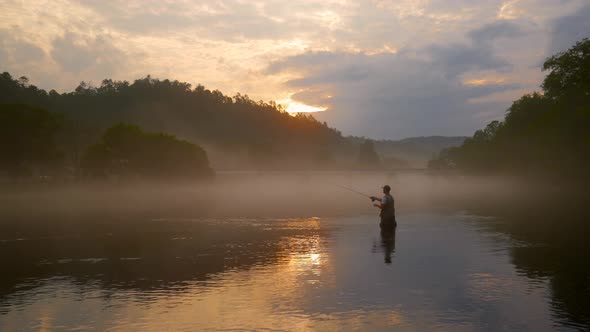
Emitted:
pixel 287 274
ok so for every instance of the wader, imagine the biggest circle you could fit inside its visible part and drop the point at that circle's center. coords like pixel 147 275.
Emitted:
pixel 387 215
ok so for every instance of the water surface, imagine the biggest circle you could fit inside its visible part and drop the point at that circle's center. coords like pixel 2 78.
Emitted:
pixel 448 272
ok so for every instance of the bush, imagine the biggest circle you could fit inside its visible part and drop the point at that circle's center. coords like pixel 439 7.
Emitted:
pixel 126 150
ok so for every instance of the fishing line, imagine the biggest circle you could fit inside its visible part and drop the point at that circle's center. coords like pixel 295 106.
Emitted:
pixel 349 189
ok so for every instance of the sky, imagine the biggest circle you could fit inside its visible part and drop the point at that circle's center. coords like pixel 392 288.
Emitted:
pixel 384 69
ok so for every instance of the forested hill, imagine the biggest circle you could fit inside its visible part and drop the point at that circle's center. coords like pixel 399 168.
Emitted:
pixel 252 130
pixel 545 134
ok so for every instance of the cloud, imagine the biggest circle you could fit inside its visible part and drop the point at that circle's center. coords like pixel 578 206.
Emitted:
pixel 21 56
pixel 15 50
pixel 398 97
pixel 567 30
pixel 77 53
pixel 384 68
pixel 479 55
pixel 495 30
pixel 412 92
pixel 230 20
pixel 457 59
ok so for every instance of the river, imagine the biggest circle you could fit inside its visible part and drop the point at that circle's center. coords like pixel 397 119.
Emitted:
pixel 437 272
pixel 449 269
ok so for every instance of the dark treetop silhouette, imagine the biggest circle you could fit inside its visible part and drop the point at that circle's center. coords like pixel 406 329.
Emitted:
pixel 237 132
pixel 542 133
pixel 260 132
pixel 127 150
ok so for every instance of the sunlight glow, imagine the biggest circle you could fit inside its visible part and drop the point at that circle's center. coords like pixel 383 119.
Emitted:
pixel 294 107
pixel 509 10
pixel 484 81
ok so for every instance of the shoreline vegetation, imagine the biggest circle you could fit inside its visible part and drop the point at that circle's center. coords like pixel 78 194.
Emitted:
pixel 545 135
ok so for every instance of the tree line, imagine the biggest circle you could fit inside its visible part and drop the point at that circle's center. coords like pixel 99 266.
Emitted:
pixel 543 133
pixel 29 147
pixel 70 125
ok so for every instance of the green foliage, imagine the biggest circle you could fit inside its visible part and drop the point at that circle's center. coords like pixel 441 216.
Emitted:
pixel 545 133
pixel 27 138
pixel 569 75
pixel 126 150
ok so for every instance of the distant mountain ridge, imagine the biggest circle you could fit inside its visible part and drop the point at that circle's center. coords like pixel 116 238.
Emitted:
pixel 416 151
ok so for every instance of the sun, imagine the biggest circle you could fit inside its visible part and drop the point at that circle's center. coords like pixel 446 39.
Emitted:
pixel 294 107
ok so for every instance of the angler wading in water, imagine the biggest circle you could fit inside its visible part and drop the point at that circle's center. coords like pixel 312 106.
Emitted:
pixel 387 207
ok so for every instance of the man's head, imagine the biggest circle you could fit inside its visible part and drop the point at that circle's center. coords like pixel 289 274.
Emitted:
pixel 386 189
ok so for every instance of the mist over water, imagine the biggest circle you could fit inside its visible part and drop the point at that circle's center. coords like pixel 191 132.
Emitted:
pixel 122 207
pixel 258 194
pixel 293 251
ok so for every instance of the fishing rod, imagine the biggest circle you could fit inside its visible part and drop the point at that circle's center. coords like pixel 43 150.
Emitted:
pixel 351 190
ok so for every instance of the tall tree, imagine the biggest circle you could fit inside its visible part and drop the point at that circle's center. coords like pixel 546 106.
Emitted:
pixel 546 133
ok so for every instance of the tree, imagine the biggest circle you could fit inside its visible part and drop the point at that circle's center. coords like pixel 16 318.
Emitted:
pixel 126 150
pixel 542 133
pixel 232 124
pixel 569 74
pixel 27 139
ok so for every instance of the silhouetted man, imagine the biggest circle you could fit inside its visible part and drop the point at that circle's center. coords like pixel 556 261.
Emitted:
pixel 386 204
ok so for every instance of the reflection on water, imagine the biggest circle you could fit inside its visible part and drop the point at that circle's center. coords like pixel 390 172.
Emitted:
pixel 388 243
pixel 434 273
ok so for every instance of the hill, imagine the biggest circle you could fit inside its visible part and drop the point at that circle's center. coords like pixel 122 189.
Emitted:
pixel 237 131
pixel 417 150
pixel 412 152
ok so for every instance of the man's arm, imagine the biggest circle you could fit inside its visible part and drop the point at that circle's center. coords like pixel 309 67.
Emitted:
pixel 378 205
pixel 382 201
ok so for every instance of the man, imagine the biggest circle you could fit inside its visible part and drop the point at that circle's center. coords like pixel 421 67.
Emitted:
pixel 386 204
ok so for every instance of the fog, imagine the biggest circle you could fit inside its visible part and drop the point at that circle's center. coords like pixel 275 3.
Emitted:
pixel 253 195
pixel 137 240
